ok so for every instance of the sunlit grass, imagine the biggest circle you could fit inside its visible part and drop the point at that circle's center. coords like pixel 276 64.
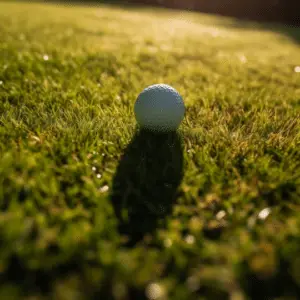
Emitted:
pixel 214 213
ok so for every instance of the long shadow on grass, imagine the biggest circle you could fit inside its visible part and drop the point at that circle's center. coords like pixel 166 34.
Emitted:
pixel 145 184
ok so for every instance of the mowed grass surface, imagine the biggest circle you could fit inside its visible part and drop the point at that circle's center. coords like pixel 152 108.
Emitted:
pixel 92 208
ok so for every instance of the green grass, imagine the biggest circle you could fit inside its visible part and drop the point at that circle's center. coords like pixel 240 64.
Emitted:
pixel 91 207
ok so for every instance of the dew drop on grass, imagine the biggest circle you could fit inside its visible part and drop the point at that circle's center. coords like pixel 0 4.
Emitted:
pixel 154 291
pixel 104 189
pixel 220 215
pixel 190 239
pixel 297 69
pixel 264 213
pixel 243 59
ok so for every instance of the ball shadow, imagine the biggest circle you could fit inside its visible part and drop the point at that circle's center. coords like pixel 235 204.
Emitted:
pixel 145 184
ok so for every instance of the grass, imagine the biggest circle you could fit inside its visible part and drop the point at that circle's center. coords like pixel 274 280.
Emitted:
pixel 92 207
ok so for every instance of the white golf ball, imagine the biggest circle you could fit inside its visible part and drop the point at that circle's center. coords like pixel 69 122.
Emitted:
pixel 160 108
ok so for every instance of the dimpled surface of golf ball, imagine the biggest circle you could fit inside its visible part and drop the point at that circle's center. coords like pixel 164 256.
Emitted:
pixel 159 108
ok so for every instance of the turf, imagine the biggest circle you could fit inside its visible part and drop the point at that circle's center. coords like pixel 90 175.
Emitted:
pixel 93 207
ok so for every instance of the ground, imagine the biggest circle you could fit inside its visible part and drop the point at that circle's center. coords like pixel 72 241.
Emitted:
pixel 92 207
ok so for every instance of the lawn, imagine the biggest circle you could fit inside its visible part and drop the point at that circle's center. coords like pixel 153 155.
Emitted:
pixel 92 207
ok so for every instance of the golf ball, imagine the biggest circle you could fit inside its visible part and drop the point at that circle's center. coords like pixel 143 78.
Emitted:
pixel 159 108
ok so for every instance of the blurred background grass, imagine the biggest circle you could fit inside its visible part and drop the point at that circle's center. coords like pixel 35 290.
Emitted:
pixel 286 11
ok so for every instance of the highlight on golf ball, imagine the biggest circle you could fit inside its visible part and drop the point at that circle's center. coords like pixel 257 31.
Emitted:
pixel 159 108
